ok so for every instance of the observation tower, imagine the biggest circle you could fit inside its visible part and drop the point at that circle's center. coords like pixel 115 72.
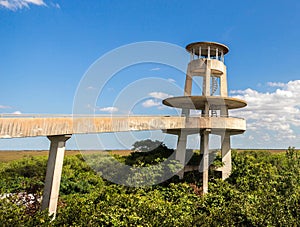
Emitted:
pixel 210 104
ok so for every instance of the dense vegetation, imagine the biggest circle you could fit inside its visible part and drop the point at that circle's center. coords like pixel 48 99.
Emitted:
pixel 263 190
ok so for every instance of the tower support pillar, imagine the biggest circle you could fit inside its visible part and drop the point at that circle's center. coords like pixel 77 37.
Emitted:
pixel 226 156
pixel 188 84
pixel 181 151
pixel 53 173
pixel 204 146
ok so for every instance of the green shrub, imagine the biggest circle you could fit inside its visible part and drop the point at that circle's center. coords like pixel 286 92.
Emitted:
pixel 263 190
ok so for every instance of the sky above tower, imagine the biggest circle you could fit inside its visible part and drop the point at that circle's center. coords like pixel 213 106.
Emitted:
pixel 47 46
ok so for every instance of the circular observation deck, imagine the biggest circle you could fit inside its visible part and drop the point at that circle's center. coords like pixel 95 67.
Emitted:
pixel 216 125
pixel 207 48
pixel 198 102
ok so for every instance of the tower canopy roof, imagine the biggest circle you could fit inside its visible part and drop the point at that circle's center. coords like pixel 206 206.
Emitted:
pixel 204 48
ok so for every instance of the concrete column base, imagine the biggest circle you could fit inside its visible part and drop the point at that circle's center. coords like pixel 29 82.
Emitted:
pixel 204 146
pixel 53 174
pixel 226 156
pixel 181 152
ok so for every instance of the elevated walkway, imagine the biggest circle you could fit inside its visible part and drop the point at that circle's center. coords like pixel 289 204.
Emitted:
pixel 12 126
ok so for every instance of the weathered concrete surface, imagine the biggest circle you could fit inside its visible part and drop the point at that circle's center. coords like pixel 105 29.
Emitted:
pixel 32 127
pixel 53 174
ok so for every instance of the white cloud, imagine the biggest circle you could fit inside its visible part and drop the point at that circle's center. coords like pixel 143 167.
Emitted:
pixel 155 69
pixel 19 4
pixel 272 116
pixel 151 103
pixel 17 112
pixel 155 100
pixel 36 2
pixel 110 109
pixel 90 88
pixel 159 95
pixel 56 5
pixel 251 137
pixel 171 80
pixel 275 84
pixel 5 107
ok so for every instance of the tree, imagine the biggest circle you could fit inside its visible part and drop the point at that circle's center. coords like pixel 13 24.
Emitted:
pixel 147 145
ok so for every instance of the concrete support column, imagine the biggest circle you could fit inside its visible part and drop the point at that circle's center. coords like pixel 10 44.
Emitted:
pixel 226 156
pixel 204 146
pixel 181 151
pixel 53 174
pixel 224 111
pixel 185 113
pixel 206 79
pixel 187 91
pixel 223 84
pixel 201 143
pixel 206 110
pixel 188 85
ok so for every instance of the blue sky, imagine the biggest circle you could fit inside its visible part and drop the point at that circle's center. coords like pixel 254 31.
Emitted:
pixel 47 46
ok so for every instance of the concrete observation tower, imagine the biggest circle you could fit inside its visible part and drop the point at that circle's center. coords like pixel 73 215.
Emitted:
pixel 211 103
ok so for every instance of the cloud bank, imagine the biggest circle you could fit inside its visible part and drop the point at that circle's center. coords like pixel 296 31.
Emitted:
pixel 20 4
pixel 5 107
pixel 155 100
pixel 110 109
pixel 151 103
pixel 272 117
